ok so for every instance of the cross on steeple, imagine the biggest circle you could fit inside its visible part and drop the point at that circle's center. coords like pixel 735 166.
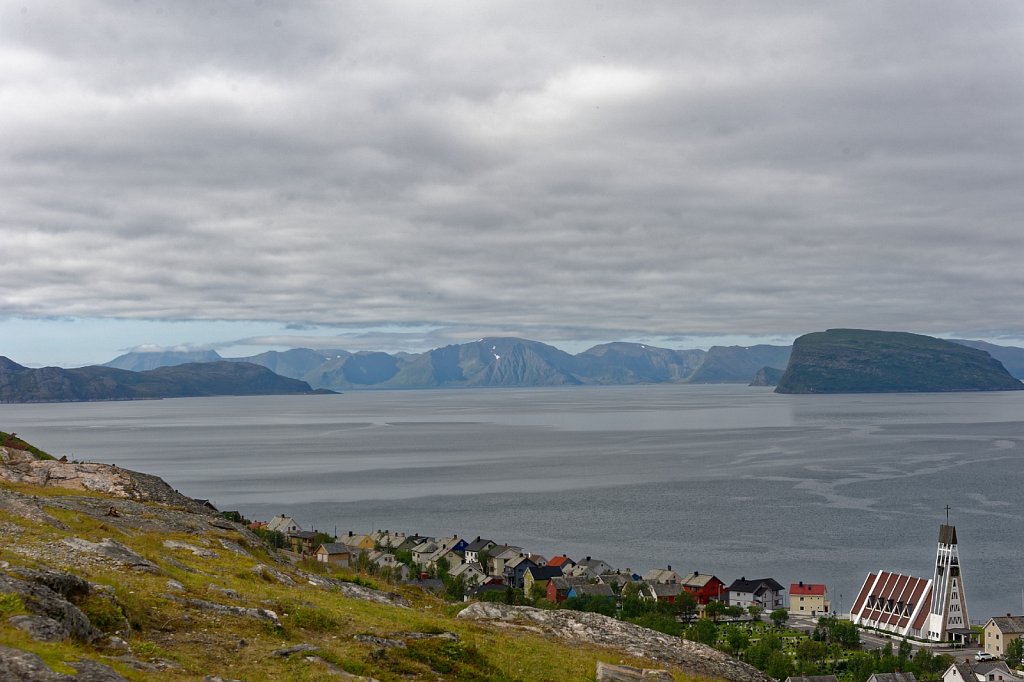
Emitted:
pixel 947 514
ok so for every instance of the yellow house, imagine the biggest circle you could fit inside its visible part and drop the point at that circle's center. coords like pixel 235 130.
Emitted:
pixel 1000 631
pixel 809 598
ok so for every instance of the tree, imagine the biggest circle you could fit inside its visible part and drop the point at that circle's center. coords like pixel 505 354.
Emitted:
pixel 703 631
pixel 737 640
pixel 454 588
pixel 758 654
pixel 780 666
pixel 755 611
pixel 1015 652
pixel 810 653
pixel 714 609
pixel 686 605
pixel 780 617
pixel 835 631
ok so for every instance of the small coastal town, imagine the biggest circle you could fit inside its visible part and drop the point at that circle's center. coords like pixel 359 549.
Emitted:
pixel 917 614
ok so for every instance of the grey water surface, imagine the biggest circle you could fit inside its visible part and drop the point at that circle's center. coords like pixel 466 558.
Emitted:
pixel 731 480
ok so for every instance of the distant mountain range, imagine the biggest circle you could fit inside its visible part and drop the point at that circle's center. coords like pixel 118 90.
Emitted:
pixel 20 384
pixel 866 361
pixel 490 362
pixel 499 362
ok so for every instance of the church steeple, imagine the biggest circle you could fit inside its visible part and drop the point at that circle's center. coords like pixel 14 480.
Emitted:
pixel 948 614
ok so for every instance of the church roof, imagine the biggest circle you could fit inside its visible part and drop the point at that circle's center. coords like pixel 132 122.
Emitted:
pixel 893 599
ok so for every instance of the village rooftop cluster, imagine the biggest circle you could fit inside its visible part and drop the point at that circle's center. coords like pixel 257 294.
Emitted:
pixel 485 565
pixel 927 611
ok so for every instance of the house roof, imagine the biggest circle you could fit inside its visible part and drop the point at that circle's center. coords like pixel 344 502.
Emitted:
pixel 593 590
pixel 521 559
pixel 479 545
pixel 559 560
pixel 892 677
pixel 504 552
pixel 545 572
pixel 488 587
pixel 985 667
pixel 565 582
pixel 807 589
pixel 282 522
pixel 302 534
pixel 665 589
pixel 813 678
pixel 1009 624
pixel 464 568
pixel 662 575
pixel 699 579
pixel 335 548
pixel 755 586
pixel 617 578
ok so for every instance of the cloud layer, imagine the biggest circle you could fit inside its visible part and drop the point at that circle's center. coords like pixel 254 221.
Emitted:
pixel 590 170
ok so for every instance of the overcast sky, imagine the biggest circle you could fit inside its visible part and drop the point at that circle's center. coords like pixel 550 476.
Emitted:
pixel 403 175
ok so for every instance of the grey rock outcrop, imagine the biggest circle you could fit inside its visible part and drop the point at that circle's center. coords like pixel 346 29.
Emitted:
pixel 242 611
pixel 23 666
pixel 21 466
pixel 593 628
pixel 353 591
pixel 50 606
pixel 196 551
pixel 40 628
pixel 114 551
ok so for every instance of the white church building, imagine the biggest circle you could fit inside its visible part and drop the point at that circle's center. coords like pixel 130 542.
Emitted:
pixel 933 610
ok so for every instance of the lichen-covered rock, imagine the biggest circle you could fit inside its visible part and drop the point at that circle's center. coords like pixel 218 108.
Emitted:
pixel 20 466
pixel 353 591
pixel 593 628
pixel 23 666
pixel 40 628
pixel 196 551
pixel 115 551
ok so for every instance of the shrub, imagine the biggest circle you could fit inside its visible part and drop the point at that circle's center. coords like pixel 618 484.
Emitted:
pixel 312 618
pixel 10 604
pixel 104 613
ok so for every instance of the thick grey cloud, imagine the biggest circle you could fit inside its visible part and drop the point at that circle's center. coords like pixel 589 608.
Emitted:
pixel 583 170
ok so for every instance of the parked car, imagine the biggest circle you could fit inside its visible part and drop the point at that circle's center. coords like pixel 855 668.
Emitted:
pixel 984 656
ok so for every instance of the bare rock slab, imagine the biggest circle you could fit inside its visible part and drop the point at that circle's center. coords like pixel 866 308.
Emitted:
pixel 593 628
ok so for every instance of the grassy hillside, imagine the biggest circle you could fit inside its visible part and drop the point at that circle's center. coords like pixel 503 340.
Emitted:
pixel 186 561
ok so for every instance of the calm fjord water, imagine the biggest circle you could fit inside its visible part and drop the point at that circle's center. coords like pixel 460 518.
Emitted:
pixel 731 480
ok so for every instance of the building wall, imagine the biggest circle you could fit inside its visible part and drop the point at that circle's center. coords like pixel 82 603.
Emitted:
pixel 808 603
pixel 996 641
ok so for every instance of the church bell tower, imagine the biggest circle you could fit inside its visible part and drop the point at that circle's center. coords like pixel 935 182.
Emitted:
pixel 948 619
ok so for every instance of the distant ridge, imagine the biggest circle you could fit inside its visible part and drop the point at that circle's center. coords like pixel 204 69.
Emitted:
pixel 141 361
pixel 867 361
pixel 20 384
pixel 516 362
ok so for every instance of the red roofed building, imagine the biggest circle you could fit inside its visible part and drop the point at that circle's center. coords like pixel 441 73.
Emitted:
pixel 561 561
pixel 809 598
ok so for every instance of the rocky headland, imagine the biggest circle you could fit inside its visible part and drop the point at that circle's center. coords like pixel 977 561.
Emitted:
pixel 867 361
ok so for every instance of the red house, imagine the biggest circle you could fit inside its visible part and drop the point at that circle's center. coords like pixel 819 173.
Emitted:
pixel 704 587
